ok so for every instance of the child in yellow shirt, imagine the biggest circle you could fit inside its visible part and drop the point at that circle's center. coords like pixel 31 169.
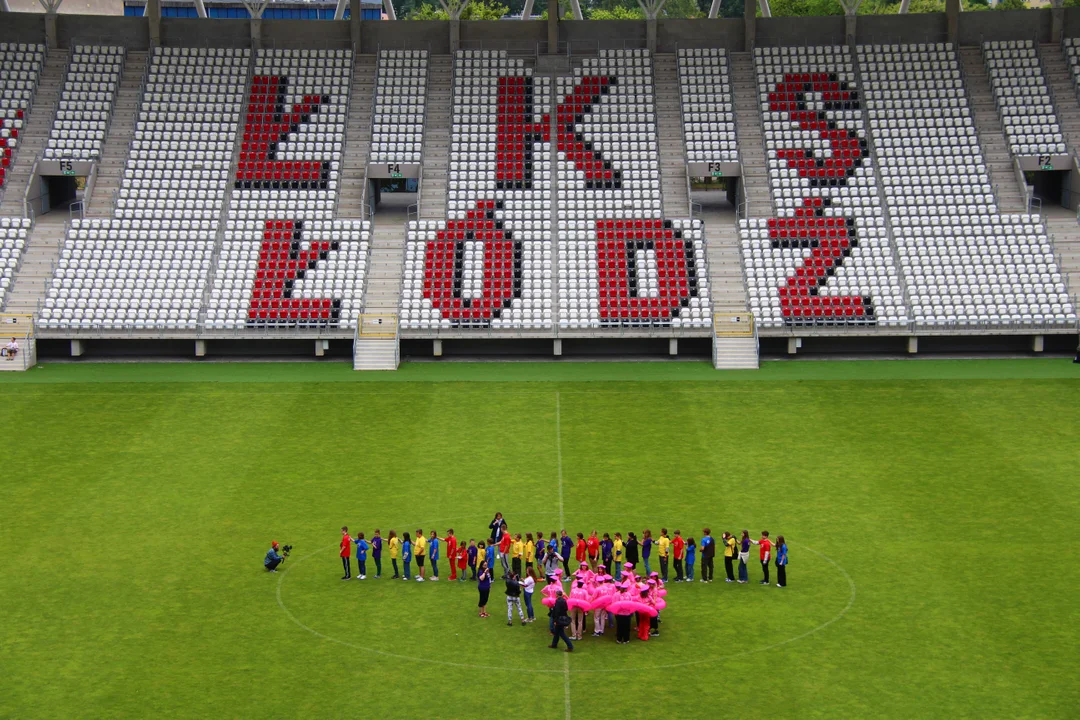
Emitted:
pixel 530 551
pixel 395 552
pixel 517 550
pixel 664 544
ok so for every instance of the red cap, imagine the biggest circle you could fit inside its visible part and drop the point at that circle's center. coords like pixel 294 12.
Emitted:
pixel 274 544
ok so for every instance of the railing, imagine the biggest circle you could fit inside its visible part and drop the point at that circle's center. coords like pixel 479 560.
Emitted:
pixel 77 205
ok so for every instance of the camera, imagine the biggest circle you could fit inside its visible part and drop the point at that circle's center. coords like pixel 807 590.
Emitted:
pixel 285 550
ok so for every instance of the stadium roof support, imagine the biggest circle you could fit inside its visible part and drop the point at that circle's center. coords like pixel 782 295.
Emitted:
pixel 256 9
pixel 339 11
pixel 453 8
pixel 51 6
pixel 575 9
pixel 388 8
pixel 4 6
pixel 766 11
pixel 652 8
pixel 714 9
pixel 200 8
pixel 526 12
pixel 904 4
pixel 850 6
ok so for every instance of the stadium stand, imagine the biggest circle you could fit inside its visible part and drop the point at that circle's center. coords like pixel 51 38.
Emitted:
pixel 399 106
pixel 86 100
pixel 825 260
pixel 1023 98
pixel 21 65
pixel 13 239
pixel 285 262
pixel 965 265
pixel 707 106
pixel 146 267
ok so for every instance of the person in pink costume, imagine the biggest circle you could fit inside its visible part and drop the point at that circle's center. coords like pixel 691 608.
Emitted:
pixel 552 587
pixel 620 607
pixel 628 575
pixel 579 603
pixel 601 599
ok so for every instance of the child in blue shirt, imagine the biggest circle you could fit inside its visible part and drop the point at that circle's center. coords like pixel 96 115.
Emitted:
pixel 406 554
pixel 691 556
pixel 361 555
pixel 433 554
pixel 490 555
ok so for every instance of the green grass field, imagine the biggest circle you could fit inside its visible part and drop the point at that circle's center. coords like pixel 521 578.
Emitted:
pixel 929 506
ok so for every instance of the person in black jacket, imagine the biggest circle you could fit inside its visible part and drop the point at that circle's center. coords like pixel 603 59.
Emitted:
pixel 496 527
pixel 632 549
pixel 513 598
pixel 560 613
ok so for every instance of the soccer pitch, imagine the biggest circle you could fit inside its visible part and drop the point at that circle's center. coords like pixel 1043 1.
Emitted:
pixel 929 508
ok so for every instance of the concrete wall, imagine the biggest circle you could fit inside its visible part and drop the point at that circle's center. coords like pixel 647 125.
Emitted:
pixel 433 35
pixel 22 27
pixel 975 27
pixel 1072 22
pixel 674 33
pixel 131 32
pixel 801 31
pixel 196 32
pixel 492 35
pixel 588 36
pixel 313 34
pixel 896 29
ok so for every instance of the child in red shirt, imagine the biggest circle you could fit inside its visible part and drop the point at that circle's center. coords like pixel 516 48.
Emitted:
pixel 592 545
pixel 346 551
pixel 582 552
pixel 451 552
pixel 678 546
pixel 766 549
pixel 462 560
pixel 504 550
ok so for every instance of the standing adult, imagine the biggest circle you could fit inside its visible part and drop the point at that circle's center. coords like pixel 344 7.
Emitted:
pixel 765 548
pixel 496 527
pixel 729 556
pixel 708 552
pixel 781 561
pixel 632 549
pixel 513 599
pixel 744 556
pixel 483 584
pixel 561 616
pixel 551 562
pixel 346 552
pixel 566 546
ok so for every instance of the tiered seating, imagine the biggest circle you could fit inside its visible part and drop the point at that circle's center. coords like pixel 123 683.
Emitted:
pixel 826 260
pixel 621 262
pixel 398 125
pixel 285 263
pixel 13 238
pixel 20 66
pixel 85 103
pixel 1023 98
pixel 707 106
pixel 489 264
pixel 146 268
pixel 964 264
pixel 1071 48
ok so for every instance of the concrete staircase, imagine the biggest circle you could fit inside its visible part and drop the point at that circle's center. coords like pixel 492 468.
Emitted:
pixel 357 139
pixel 726 284
pixel 996 153
pixel 1065 233
pixel 436 157
pixel 670 131
pixel 114 153
pixel 1058 77
pixel 36 265
pixel 755 177
pixel 735 353
pixel 383 292
pixel 35 132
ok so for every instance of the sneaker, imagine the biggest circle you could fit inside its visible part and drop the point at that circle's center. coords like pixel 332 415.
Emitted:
pixel 346 578
pixel 763 582
pixel 509 623
pixel 434 578
pixel 522 623
pixel 779 585
pixel 419 579
pixel 728 580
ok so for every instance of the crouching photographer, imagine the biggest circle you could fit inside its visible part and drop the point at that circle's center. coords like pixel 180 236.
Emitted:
pixel 273 558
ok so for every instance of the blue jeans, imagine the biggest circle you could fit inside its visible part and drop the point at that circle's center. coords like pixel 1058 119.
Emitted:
pixel 560 634
pixel 618 572
pixel 435 567
pixel 648 570
pixel 528 605
pixel 689 571
pixel 363 566
pixel 742 571
pixel 407 575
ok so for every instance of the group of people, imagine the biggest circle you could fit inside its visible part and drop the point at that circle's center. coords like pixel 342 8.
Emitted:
pixel 605 583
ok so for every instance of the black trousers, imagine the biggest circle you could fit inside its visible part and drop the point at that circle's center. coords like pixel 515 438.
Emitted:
pixel 781 575
pixel 707 568
pixel 515 564
pixel 560 634
pixel 393 562
pixel 275 562
pixel 663 568
pixel 678 569
pixel 622 628
pixel 345 564
pixel 566 567
pixel 729 567
pixel 765 571
pixel 484 594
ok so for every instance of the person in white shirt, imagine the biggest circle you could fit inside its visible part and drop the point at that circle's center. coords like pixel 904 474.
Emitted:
pixel 528 584
pixel 11 349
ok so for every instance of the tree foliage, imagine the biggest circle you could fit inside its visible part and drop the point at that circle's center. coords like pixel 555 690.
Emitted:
pixel 475 10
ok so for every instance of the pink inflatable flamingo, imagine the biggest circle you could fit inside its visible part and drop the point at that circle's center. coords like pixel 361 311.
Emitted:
pixel 549 592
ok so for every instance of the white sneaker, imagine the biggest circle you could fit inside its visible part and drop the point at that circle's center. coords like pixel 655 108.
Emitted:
pixel 434 578
pixel 419 579
pixel 363 577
